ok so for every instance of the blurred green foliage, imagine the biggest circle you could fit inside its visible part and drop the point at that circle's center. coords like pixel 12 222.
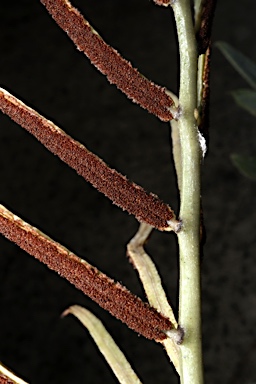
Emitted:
pixel 245 98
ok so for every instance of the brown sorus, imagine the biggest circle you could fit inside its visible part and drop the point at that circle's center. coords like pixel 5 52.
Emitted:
pixel 110 295
pixel 118 70
pixel 134 199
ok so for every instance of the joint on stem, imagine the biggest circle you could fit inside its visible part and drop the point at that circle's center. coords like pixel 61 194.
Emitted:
pixel 176 112
pixel 177 335
pixel 175 226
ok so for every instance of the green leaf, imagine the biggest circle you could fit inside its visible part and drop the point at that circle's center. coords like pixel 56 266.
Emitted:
pixel 243 65
pixel 245 164
pixel 246 99
pixel 107 346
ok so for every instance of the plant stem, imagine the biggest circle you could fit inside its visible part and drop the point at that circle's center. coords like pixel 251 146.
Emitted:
pixel 189 300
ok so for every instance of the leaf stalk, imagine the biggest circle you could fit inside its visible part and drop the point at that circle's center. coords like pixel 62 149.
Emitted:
pixel 188 237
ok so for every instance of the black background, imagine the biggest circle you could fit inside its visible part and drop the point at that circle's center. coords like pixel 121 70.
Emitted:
pixel 41 66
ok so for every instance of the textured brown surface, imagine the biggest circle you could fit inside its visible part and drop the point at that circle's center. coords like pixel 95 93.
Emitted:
pixel 163 2
pixel 205 102
pixel 204 33
pixel 125 194
pixel 5 380
pixel 110 295
pixel 34 183
pixel 108 61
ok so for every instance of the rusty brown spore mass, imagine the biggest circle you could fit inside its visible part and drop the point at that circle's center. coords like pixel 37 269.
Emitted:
pixel 165 3
pixel 5 380
pixel 108 61
pixel 125 194
pixel 203 35
pixel 110 295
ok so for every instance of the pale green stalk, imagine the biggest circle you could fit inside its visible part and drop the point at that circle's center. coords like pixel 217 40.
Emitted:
pixel 107 346
pixel 189 295
pixel 154 290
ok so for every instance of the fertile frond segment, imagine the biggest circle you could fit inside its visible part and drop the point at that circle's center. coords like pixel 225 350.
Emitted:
pixel 8 377
pixel 165 3
pixel 5 380
pixel 204 64
pixel 110 295
pixel 203 35
pixel 108 61
pixel 134 199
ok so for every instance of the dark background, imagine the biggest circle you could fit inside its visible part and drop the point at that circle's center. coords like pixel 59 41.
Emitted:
pixel 41 66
